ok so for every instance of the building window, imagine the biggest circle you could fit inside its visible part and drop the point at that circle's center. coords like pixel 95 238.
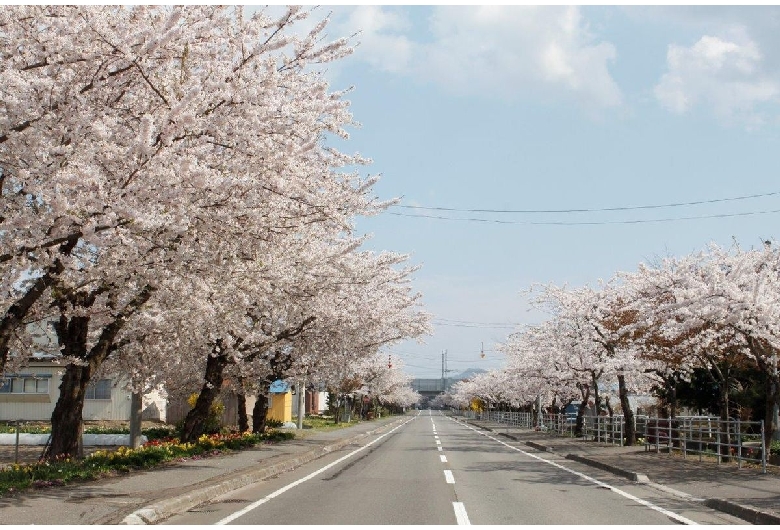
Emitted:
pixel 25 384
pixel 100 389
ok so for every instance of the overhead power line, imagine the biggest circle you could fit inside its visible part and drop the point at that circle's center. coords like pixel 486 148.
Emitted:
pixel 585 210
pixel 468 324
pixel 473 322
pixel 589 223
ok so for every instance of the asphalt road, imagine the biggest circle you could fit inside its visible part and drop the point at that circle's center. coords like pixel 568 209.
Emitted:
pixel 434 470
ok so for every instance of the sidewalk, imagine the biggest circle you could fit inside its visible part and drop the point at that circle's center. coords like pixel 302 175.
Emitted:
pixel 745 493
pixel 147 497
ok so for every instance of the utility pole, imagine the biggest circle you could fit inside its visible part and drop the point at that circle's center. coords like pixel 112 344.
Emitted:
pixel 443 357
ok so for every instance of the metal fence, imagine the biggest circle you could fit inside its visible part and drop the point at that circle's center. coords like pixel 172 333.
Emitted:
pixel 514 419
pixel 603 429
pixel 705 436
pixel 742 441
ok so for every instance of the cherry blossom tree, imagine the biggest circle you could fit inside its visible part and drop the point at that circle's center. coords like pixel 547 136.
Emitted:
pixel 139 146
pixel 722 310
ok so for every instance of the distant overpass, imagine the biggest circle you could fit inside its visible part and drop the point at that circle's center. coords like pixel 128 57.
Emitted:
pixel 430 388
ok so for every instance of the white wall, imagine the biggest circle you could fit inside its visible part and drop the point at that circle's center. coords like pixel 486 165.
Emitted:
pixel 39 407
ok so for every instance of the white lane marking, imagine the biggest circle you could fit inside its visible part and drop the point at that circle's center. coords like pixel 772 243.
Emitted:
pixel 448 476
pixel 460 513
pixel 249 508
pixel 438 442
pixel 443 458
pixel 436 437
pixel 620 492
pixel 439 448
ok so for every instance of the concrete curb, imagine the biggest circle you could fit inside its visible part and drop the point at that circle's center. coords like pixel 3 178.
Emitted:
pixel 156 512
pixel 630 475
pixel 539 447
pixel 744 512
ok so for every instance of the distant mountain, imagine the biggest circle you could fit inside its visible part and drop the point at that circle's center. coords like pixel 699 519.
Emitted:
pixel 468 374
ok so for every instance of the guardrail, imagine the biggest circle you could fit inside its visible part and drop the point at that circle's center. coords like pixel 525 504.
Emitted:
pixel 732 440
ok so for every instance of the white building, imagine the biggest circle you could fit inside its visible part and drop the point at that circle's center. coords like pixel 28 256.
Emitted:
pixel 32 393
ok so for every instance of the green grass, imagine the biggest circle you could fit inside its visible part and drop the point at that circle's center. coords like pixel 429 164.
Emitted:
pixel 326 423
pixel 151 433
pixel 31 428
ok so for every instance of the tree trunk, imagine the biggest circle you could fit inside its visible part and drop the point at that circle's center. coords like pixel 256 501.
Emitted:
pixel 579 424
pixel 136 418
pixel 260 411
pixel 72 336
pixel 672 397
pixel 339 402
pixel 243 418
pixel 66 418
pixel 596 396
pixel 628 414
pixel 724 415
pixel 195 421
pixel 771 427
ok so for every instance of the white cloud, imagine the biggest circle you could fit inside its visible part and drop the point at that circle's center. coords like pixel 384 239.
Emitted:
pixel 724 73
pixel 504 51
pixel 382 42
pixel 520 51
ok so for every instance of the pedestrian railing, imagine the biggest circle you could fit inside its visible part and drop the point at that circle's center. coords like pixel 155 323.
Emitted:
pixel 515 419
pixel 603 429
pixel 723 440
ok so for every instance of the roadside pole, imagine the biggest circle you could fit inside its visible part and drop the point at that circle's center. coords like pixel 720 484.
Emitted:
pixel 16 450
pixel 301 402
pixel 136 411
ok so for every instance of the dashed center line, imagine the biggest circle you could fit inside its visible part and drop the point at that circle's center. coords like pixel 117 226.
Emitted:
pixel 460 513
pixel 461 516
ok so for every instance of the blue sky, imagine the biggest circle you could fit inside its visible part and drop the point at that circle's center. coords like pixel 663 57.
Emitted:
pixel 556 108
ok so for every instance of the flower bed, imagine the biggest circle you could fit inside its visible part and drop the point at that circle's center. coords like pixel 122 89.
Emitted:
pixel 61 471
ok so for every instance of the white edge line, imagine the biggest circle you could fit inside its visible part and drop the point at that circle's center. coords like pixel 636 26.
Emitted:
pixel 247 509
pixel 643 502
